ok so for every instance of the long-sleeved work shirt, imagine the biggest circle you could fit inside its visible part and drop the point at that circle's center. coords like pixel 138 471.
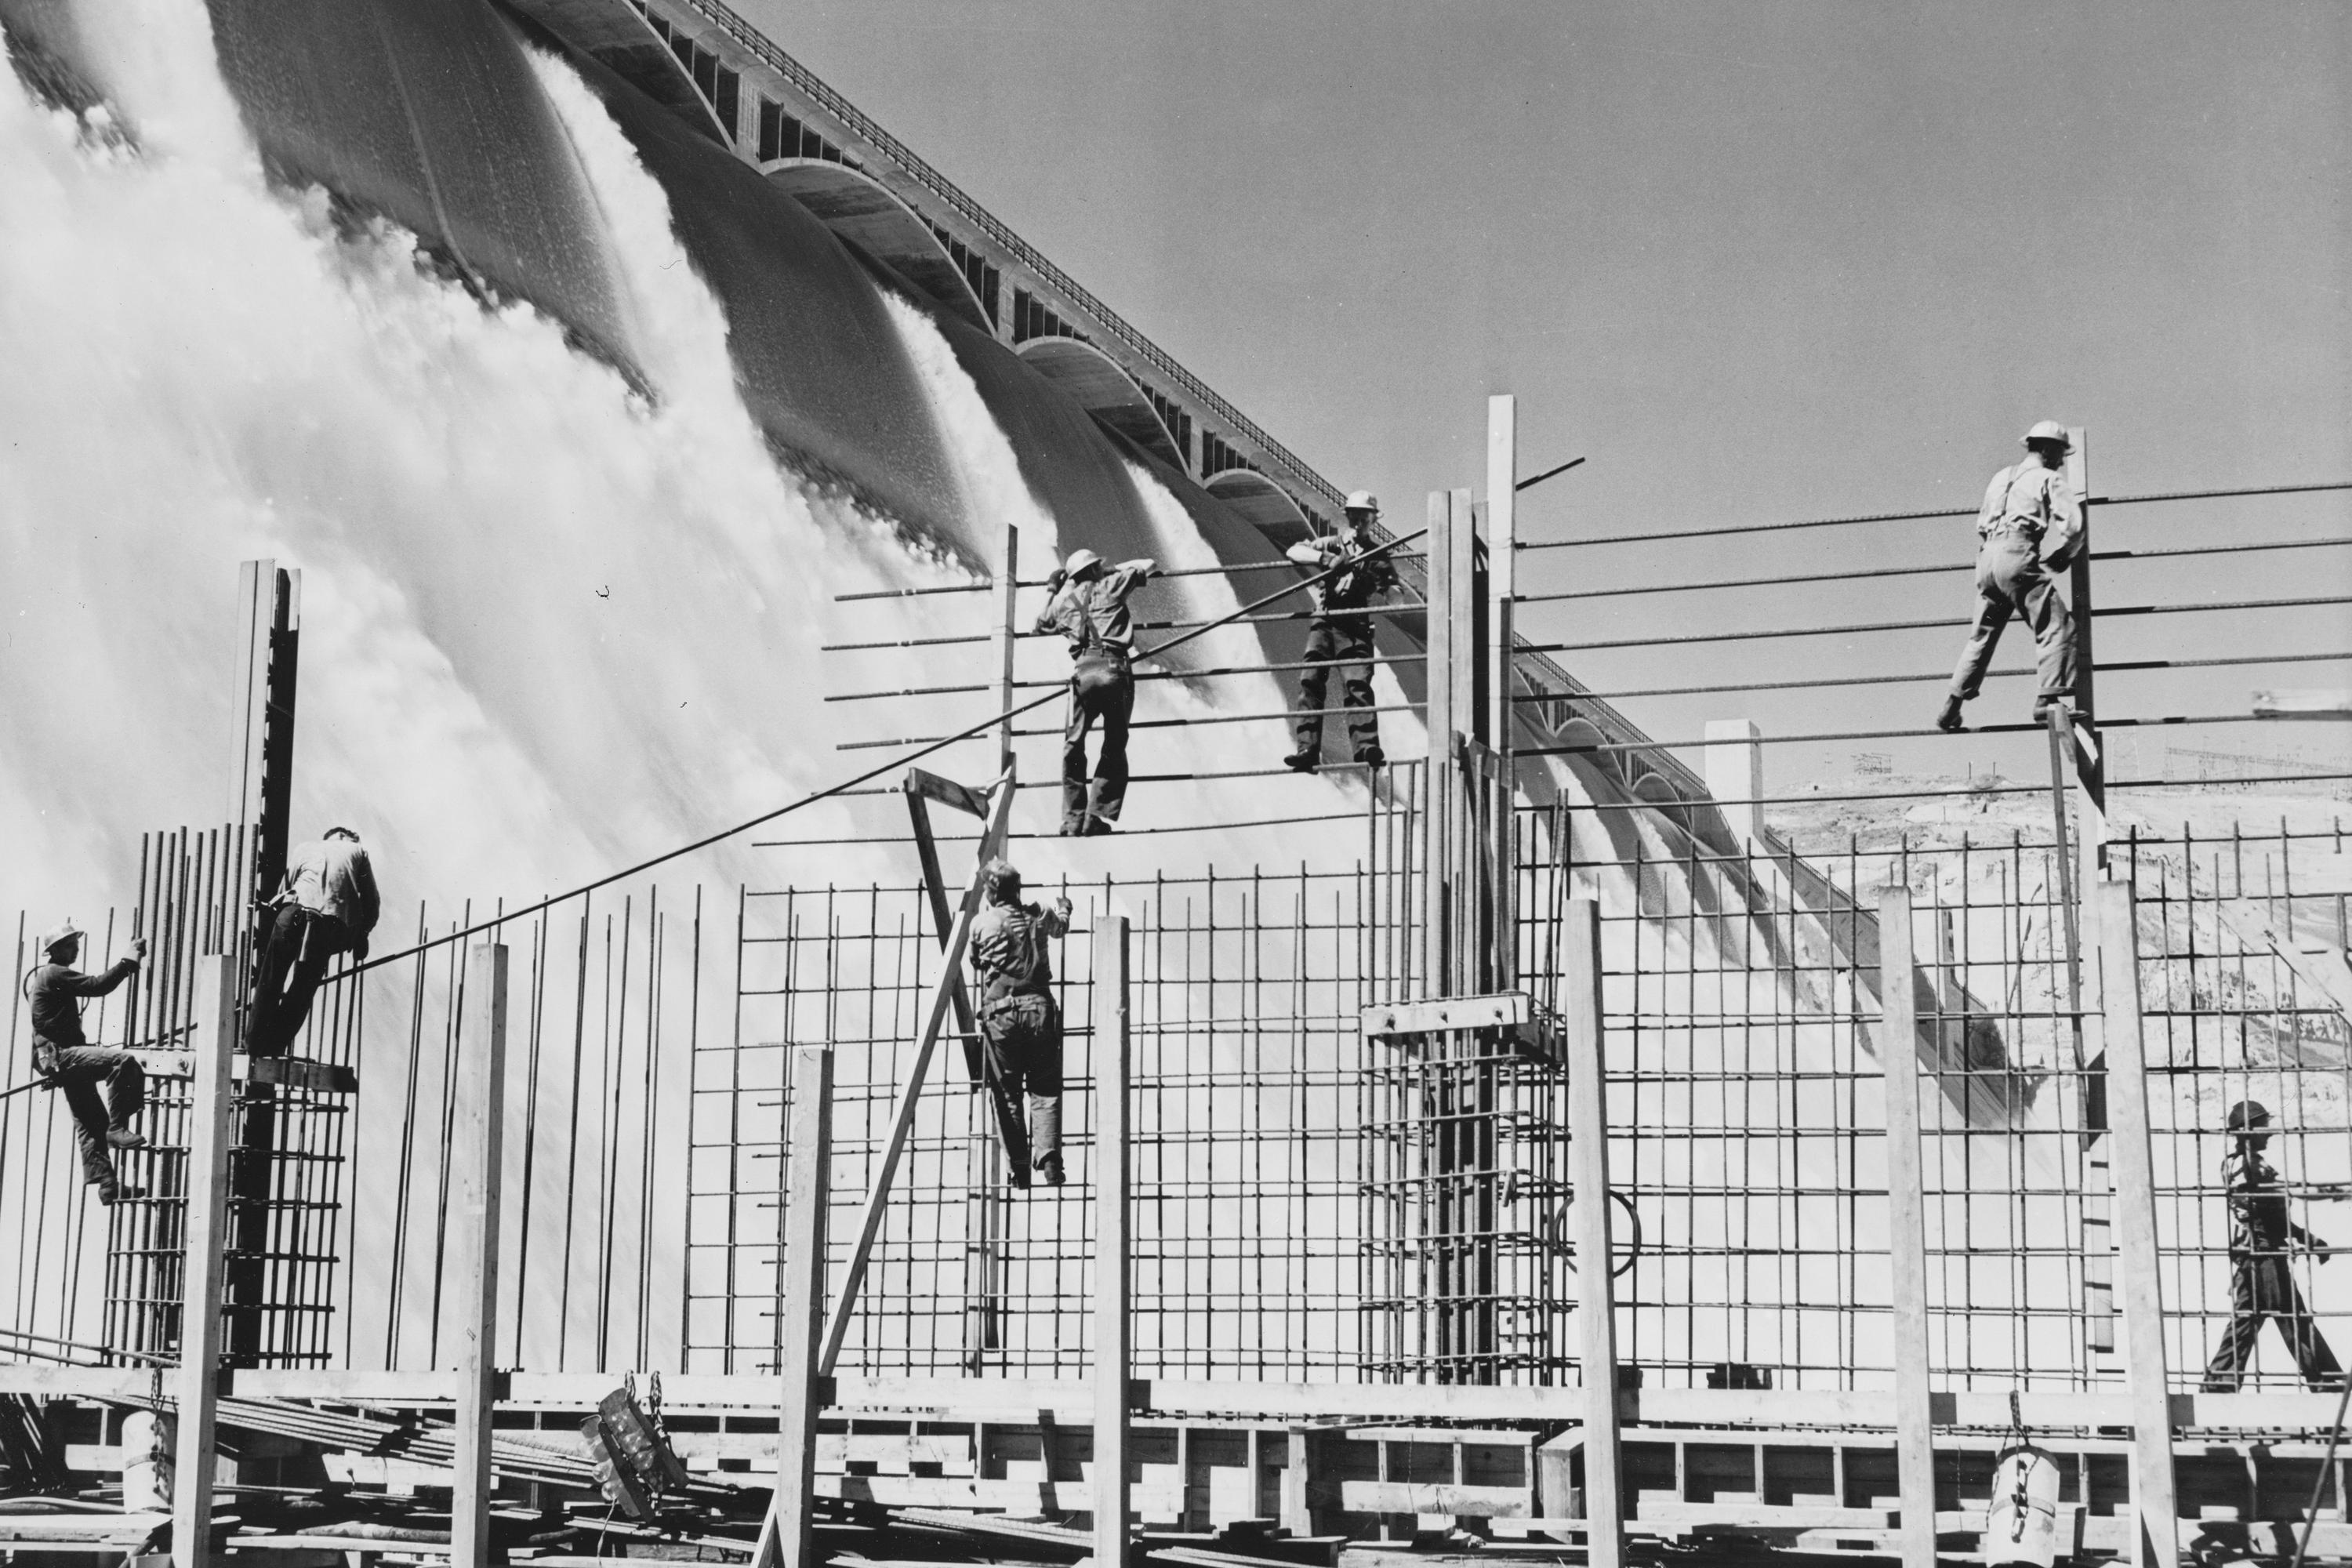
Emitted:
pixel 333 877
pixel 55 990
pixel 2258 1217
pixel 1008 949
pixel 2033 502
pixel 1353 587
pixel 1096 611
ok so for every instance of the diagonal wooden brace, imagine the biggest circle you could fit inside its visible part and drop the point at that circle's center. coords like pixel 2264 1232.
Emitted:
pixel 902 1124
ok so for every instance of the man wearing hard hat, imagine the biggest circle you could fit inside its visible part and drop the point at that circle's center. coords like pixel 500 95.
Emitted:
pixel 327 905
pixel 55 990
pixel 1087 603
pixel 2031 528
pixel 1020 1023
pixel 1340 634
pixel 2261 1285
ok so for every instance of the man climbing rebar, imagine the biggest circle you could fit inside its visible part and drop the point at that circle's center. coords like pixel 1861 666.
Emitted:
pixel 2261 1285
pixel 1087 603
pixel 1020 1023
pixel 2031 528
pixel 64 1056
pixel 1339 634
pixel 327 905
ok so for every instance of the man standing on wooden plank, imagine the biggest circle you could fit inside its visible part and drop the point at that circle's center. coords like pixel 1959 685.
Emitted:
pixel 1340 635
pixel 327 905
pixel 1088 604
pixel 1020 1023
pixel 2260 1283
pixel 2030 527
pixel 75 1067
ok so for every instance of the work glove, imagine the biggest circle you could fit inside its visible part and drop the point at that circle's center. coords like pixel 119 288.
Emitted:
pixel 358 951
pixel 1055 579
pixel 139 947
pixel 2060 559
pixel 1062 906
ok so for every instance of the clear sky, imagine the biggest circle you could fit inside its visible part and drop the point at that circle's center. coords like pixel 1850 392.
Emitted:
pixel 1757 260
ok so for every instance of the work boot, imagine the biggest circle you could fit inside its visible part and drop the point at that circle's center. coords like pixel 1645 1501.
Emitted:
pixel 1372 757
pixel 1305 760
pixel 1949 718
pixel 1096 827
pixel 1019 1176
pixel 124 1138
pixel 1050 1167
pixel 113 1193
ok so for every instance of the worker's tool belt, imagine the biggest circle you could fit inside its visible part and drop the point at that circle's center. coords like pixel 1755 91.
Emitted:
pixel 1101 666
pixel 44 1057
pixel 1026 1010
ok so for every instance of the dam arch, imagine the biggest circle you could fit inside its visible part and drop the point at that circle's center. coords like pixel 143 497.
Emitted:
pixel 868 214
pixel 1094 380
pixel 1272 509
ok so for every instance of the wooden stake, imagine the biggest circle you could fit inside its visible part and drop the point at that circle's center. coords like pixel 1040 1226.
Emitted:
pixel 1588 1154
pixel 196 1382
pixel 1437 791
pixel 1899 1057
pixel 789 1539
pixel 1114 1243
pixel 480 1143
pixel 2114 928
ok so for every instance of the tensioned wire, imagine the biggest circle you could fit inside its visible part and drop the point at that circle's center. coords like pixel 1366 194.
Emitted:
pixel 843 786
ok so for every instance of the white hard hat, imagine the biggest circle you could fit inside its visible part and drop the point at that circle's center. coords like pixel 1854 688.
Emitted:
pixel 1080 559
pixel 2048 431
pixel 1363 500
pixel 64 933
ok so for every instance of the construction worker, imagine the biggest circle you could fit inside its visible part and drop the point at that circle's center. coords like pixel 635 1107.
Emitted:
pixel 327 905
pixel 1020 1023
pixel 1087 603
pixel 2031 528
pixel 71 1064
pixel 1340 634
pixel 2260 1283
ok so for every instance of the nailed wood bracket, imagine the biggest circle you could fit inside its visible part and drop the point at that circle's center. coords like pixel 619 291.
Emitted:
pixel 1514 1014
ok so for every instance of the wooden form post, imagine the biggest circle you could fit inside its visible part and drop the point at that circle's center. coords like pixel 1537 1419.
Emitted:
pixel 1502 578
pixel 1114 1242
pixel 934 1017
pixel 2114 928
pixel 1907 1244
pixel 480 1121
pixel 1735 777
pixel 1437 791
pixel 1008 582
pixel 789 1539
pixel 197 1381
pixel 1588 1155
pixel 2092 759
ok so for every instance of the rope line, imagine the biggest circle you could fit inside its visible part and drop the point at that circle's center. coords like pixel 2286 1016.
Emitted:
pixel 991 721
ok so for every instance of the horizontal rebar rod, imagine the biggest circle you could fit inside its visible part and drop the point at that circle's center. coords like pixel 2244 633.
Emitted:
pixel 1940 621
pixel 1916 516
pixel 2175 720
pixel 1171 723
pixel 1278 565
pixel 2123 667
pixel 1058 683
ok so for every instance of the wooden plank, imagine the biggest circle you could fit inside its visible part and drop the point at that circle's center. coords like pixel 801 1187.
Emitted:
pixel 292 1073
pixel 2114 928
pixel 902 1124
pixel 1898 1057
pixel 1588 1154
pixel 1114 1243
pixel 788 1538
pixel 203 1269
pixel 1008 631
pixel 1462 590
pixel 1441 647
pixel 1434 1496
pixel 1507 1009
pixel 481 1120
